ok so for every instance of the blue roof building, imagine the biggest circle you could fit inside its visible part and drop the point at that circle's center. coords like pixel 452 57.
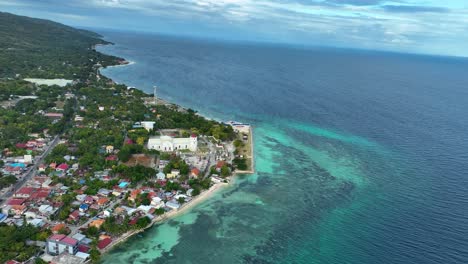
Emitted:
pixel 84 207
pixel 2 217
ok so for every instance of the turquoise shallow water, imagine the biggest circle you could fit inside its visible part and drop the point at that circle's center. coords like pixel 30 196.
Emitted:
pixel 360 156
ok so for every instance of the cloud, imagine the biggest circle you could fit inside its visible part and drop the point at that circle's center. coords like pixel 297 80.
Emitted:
pixel 414 9
pixel 355 2
pixel 382 24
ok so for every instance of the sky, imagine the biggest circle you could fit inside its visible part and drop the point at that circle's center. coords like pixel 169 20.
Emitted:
pixel 416 26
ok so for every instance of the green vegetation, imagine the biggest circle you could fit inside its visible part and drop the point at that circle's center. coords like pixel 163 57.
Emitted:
pixel 240 163
pixel 40 48
pixel 12 242
pixel 6 180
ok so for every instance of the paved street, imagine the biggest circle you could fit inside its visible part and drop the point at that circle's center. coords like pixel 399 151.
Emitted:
pixel 31 171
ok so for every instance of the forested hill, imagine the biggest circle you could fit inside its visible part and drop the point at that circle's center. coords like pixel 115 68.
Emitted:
pixel 35 47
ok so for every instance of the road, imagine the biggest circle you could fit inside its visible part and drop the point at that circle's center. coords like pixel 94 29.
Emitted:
pixel 31 171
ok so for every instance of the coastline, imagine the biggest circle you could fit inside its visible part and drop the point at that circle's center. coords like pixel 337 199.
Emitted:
pixel 186 206
pixel 203 196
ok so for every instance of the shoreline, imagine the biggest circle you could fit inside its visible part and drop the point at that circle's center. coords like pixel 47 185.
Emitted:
pixel 203 196
pixel 186 206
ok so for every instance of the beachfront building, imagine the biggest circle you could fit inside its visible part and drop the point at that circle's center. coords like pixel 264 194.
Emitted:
pixel 167 143
pixel 57 244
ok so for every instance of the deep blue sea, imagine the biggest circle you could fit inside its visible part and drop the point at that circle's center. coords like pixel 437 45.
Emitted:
pixel 361 157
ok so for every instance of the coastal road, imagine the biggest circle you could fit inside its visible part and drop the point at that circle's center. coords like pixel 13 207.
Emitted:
pixel 30 172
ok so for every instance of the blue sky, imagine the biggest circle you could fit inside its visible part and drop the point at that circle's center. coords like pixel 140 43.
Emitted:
pixel 417 26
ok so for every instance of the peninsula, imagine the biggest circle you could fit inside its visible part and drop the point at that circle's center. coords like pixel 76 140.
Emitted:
pixel 86 162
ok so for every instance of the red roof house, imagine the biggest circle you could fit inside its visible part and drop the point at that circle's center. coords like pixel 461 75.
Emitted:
pixel 62 167
pixel 14 201
pixel 75 215
pixel 25 192
pixel 195 172
pixel 104 243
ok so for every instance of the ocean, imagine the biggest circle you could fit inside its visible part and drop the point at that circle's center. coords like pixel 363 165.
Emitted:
pixel 361 156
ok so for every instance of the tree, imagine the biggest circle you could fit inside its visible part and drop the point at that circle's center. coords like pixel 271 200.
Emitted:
pixel 160 211
pixel 181 200
pixel 95 255
pixel 225 171
pixel 92 231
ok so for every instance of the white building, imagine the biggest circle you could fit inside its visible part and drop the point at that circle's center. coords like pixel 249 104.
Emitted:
pixel 148 125
pixel 57 244
pixel 168 144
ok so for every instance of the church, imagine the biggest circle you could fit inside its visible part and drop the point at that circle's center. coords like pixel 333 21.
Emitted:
pixel 168 144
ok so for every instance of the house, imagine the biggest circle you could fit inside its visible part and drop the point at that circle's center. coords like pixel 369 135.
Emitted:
pixel 148 125
pixel 189 192
pixel 220 164
pixel 97 223
pixel 104 243
pixel 104 192
pixel 102 201
pixel 169 144
pixel 160 176
pixel 112 158
pixel 171 175
pixel 57 244
pixel 54 115
pixel 89 200
pixel 62 167
pixel 40 194
pixel 84 207
pixel 13 170
pixel 14 201
pixel 157 202
pixel 195 172
pixel 75 215
pixel 79 237
pixel 215 179
pixel 46 210
pixel 53 165
pixel 173 204
pixel 3 217
pixel 36 222
pixel 24 192
pixel 145 208
pixel 109 149
pixel 58 227
pixel 134 194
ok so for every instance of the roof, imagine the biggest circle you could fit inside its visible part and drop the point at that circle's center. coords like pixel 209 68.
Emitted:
pixel 79 236
pixel 83 248
pixel 56 237
pixel 135 193
pixel 111 158
pixel 195 171
pixel 102 200
pixel 63 239
pixel 14 201
pixel 69 241
pixel 97 223
pixel 104 243
pixel 41 194
pixel 75 214
pixel 62 166
pixel 220 164
pixel 25 190
pixel 58 227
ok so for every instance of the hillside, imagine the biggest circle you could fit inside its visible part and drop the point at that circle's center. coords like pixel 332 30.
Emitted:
pixel 35 47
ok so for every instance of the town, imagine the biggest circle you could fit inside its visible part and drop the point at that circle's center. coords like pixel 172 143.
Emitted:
pixel 104 162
